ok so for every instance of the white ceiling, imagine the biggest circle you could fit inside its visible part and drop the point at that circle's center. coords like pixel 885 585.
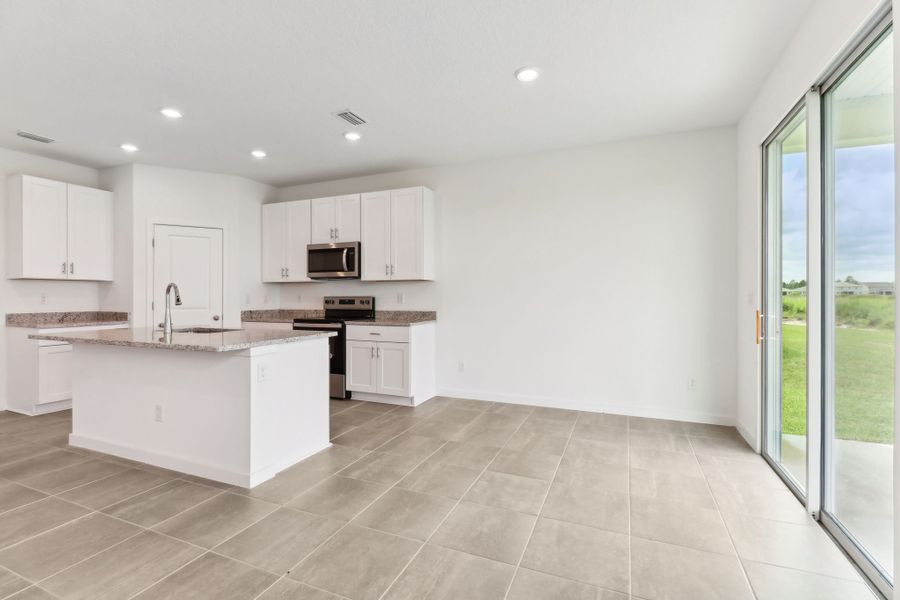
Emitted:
pixel 434 78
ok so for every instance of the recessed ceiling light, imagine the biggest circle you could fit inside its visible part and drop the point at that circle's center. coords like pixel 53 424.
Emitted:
pixel 352 136
pixel 172 113
pixel 258 153
pixel 129 147
pixel 527 74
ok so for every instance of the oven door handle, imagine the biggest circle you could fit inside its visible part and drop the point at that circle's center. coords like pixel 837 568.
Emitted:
pixel 344 256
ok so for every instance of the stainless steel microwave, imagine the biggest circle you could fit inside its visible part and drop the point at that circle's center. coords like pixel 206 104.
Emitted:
pixel 333 261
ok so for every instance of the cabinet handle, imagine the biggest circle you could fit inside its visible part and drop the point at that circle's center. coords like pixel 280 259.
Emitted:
pixel 392 269
pixel 72 268
pixel 377 351
pixel 332 232
pixel 373 351
pixel 337 233
pixel 287 271
pixel 282 272
pixel 64 268
pixel 387 270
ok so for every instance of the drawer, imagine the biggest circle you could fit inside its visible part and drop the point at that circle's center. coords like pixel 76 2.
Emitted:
pixel 374 333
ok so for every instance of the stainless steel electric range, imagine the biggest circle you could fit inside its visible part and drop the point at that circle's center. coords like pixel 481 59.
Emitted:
pixel 339 310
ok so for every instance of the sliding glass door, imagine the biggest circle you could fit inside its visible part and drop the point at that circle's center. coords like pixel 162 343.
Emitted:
pixel 783 322
pixel 858 306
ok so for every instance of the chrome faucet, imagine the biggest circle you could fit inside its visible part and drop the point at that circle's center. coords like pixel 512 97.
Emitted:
pixel 167 324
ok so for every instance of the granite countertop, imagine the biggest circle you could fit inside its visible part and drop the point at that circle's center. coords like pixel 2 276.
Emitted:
pixel 52 320
pixel 225 341
pixel 386 318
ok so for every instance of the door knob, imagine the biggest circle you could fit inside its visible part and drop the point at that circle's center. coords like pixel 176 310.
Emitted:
pixel 215 317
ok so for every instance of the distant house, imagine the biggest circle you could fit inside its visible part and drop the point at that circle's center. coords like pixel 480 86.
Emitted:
pixel 798 291
pixel 880 288
pixel 844 288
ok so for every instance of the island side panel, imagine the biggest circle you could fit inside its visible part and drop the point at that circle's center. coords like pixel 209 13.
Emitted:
pixel 289 411
pixel 202 425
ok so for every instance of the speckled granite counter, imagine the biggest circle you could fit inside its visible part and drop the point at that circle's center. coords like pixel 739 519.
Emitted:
pixel 388 318
pixel 225 341
pixel 50 320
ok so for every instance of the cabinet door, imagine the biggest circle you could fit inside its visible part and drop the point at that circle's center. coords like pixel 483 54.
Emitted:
pixel 90 233
pixel 393 368
pixel 322 216
pixel 274 242
pixel 361 367
pixel 375 209
pixel 407 245
pixel 44 228
pixel 54 373
pixel 298 236
pixel 346 211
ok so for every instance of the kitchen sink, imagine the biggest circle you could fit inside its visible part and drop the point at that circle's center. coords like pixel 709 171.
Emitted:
pixel 202 330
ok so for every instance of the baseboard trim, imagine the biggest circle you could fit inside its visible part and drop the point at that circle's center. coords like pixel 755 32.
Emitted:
pixel 591 406
pixel 182 465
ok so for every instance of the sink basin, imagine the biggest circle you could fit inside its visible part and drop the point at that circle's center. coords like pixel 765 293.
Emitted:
pixel 202 330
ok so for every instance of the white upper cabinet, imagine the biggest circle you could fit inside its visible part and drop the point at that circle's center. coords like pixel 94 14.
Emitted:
pixel 57 230
pixel 90 233
pixel 398 235
pixel 335 219
pixel 285 235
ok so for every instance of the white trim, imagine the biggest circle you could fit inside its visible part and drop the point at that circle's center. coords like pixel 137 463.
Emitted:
pixel 591 405
pixel 183 465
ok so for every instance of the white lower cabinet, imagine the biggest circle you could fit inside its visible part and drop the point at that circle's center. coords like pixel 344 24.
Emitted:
pixel 40 371
pixel 395 365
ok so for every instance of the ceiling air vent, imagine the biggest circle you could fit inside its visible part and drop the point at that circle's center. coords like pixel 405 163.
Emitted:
pixel 351 117
pixel 34 137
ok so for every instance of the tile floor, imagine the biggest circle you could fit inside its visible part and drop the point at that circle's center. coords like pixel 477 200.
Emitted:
pixel 453 499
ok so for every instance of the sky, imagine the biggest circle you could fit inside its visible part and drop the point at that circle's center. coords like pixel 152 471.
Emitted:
pixel 864 214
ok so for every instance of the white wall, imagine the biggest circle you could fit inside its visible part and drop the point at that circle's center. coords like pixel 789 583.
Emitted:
pixel 38 296
pixel 163 195
pixel 599 278
pixel 826 31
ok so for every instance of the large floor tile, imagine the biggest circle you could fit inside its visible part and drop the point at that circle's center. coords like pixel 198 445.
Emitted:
pixel 357 563
pixel 599 452
pixel 287 589
pixel 679 463
pixel 547 426
pixel 739 473
pixel 55 550
pixel 774 504
pixel 662 571
pixel 13 495
pixel 212 522
pixel 13 450
pixel 434 428
pixel 588 505
pixel 537 465
pixel 410 445
pixel 530 441
pixel 440 478
pixel 731 447
pixel 379 467
pixel 468 456
pixel 657 425
pixel 493 533
pixel 443 573
pixel 115 488
pixel 804 547
pixel 280 540
pixel 531 585
pixel 77 475
pixel 32 593
pixel 406 513
pixel 211 576
pixel 452 414
pixel 373 434
pixel 688 525
pixel 339 497
pixel 588 430
pixel 580 553
pixel 671 442
pixel 38 465
pixel 775 583
pixel 37 517
pixel 562 415
pixel 602 420
pixel 662 486
pixel 161 503
pixel 609 477
pixel 513 492
pixel 10 583
pixel 123 570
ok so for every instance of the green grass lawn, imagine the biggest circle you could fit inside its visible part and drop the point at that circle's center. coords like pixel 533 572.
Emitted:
pixel 864 382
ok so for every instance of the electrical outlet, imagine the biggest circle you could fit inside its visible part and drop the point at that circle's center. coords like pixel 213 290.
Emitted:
pixel 262 373
pixel 158 417
pixel 299 298
pixel 691 384
pixel 400 297
pixel 265 298
pixel 460 366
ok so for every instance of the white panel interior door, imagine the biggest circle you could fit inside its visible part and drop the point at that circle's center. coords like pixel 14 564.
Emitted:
pixel 346 215
pixel 406 234
pixel 274 242
pixel 322 215
pixel 375 209
pixel 192 258
pixel 298 236
pixel 90 233
pixel 44 228
pixel 393 368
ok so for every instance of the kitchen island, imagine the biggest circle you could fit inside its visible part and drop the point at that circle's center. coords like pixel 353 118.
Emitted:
pixel 232 406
